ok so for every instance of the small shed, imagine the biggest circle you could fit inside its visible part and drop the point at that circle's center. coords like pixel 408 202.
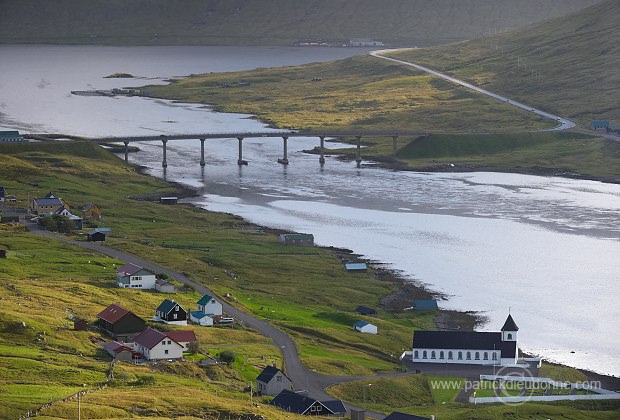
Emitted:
pixel 425 305
pixel 164 286
pixel 600 124
pixel 201 318
pixel 356 267
pixel 297 239
pixel 365 327
pixel 95 236
pixel 168 200
pixel 272 381
pixel 80 324
pixel 364 310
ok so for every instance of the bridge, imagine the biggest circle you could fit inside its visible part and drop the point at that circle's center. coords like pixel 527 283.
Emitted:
pixel 240 136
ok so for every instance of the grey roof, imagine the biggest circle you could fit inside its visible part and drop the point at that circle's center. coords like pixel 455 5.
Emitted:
pixel 396 415
pixel 300 403
pixel 457 340
pixel 364 310
pixel 510 324
pixel 48 201
pixel 268 373
pixel 168 305
pixel 335 406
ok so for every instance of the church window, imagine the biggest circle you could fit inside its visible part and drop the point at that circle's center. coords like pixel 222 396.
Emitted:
pixel 494 356
pixel 449 355
pixel 441 354
pixel 416 355
pixel 433 355
pixel 486 355
pixel 424 355
pixel 460 355
pixel 477 355
pixel 509 336
pixel 468 355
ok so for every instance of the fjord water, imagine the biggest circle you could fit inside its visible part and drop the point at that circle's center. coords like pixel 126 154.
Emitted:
pixel 547 248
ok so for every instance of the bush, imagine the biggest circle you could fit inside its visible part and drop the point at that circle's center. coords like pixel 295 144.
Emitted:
pixel 227 356
pixel 57 223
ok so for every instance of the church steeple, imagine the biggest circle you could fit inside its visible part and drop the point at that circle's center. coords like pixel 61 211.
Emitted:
pixel 509 330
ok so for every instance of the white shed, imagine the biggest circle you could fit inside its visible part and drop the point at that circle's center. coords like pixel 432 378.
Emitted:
pixel 365 327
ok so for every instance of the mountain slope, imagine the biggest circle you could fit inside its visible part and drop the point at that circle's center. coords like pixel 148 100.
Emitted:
pixel 270 22
pixel 568 66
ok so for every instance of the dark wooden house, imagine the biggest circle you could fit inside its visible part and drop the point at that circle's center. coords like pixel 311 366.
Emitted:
pixel 171 312
pixel 301 403
pixel 95 236
pixel 80 324
pixel 120 323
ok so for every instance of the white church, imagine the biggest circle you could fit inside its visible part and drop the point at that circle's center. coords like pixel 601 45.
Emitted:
pixel 476 348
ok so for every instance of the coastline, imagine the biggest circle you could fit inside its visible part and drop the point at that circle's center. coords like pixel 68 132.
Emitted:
pixel 407 290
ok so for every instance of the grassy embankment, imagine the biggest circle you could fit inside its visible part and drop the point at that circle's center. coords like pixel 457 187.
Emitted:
pixel 430 395
pixel 264 22
pixel 567 66
pixel 304 291
pixel 364 93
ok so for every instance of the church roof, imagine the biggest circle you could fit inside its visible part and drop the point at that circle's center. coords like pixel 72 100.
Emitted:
pixel 510 325
pixel 456 340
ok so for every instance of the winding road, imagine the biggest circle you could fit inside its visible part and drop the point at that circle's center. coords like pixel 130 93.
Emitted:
pixel 563 123
pixel 303 378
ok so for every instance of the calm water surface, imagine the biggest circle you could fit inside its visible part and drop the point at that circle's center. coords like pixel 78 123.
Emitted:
pixel 547 248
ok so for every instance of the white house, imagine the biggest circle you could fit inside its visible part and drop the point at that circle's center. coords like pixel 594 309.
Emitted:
pixel 476 348
pixel 184 337
pixel 135 277
pixel 365 327
pixel 201 318
pixel 272 381
pixel 209 305
pixel 365 42
pixel 155 345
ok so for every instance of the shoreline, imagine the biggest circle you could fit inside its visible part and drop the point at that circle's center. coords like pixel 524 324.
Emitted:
pixel 407 289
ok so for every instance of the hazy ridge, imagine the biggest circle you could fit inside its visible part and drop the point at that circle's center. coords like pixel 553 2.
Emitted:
pixel 267 22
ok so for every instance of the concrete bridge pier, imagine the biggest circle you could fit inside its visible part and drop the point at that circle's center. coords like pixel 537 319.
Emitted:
pixel 126 143
pixel 284 160
pixel 240 161
pixel 202 152
pixel 322 155
pixel 164 164
pixel 394 145
pixel 358 158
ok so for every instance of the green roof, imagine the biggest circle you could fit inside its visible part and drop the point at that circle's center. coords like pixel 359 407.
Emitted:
pixel 204 299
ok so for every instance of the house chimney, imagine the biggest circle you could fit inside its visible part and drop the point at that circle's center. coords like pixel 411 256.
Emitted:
pixel 275 365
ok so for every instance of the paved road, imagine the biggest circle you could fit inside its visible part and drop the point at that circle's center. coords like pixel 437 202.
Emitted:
pixel 563 123
pixel 302 378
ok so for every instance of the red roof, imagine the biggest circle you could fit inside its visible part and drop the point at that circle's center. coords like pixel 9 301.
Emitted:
pixel 113 313
pixel 115 347
pixel 127 270
pixel 185 336
pixel 149 338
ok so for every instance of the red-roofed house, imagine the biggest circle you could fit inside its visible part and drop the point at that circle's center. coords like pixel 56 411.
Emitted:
pixel 155 345
pixel 135 277
pixel 120 323
pixel 182 337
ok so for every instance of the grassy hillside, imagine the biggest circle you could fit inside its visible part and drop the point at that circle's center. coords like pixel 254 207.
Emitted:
pixel 356 93
pixel 266 22
pixel 568 66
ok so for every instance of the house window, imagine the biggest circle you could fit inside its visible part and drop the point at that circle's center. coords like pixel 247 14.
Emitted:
pixel 416 355
pixel 468 355
pixel 433 355
pixel 424 355
pixel 213 301
pixel 175 316
pixel 460 355
pixel 509 336
pixel 278 378
pixel 486 355
pixel 177 308
pixel 441 354
pixel 450 355
pixel 165 351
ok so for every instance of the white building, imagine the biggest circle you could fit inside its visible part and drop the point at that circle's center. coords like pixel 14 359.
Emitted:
pixel 209 305
pixel 476 348
pixel 155 345
pixel 365 327
pixel 135 277
pixel 365 42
